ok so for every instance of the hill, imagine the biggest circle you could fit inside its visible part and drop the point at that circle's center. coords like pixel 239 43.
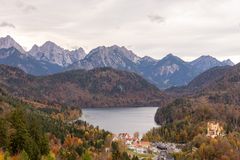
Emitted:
pixel 217 85
pixel 102 87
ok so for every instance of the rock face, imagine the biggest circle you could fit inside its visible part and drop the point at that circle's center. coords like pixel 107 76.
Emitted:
pixel 52 53
pixel 8 42
pixel 114 56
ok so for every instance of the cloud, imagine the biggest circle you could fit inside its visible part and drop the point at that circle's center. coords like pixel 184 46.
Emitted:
pixel 156 18
pixel 186 28
pixel 29 8
pixel 6 24
pixel 25 7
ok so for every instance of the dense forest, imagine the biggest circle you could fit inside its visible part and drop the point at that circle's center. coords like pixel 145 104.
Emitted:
pixel 30 133
pixel 184 121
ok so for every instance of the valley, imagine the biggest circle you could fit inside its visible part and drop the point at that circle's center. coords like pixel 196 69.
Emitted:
pixel 119 80
pixel 112 104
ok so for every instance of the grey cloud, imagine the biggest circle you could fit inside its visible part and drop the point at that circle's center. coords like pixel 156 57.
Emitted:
pixel 25 7
pixel 186 28
pixel 156 18
pixel 29 8
pixel 6 24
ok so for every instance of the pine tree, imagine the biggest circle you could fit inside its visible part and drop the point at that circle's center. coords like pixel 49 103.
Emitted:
pixel 3 134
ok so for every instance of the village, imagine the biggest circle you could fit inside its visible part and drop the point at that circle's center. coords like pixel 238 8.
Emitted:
pixel 160 150
pixel 157 150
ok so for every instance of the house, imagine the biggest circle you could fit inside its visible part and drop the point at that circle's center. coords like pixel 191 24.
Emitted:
pixel 214 129
pixel 144 144
pixel 124 136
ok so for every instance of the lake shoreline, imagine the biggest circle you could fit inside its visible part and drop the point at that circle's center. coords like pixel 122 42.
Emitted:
pixel 121 120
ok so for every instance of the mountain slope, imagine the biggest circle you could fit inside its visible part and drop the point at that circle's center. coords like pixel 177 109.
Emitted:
pixel 13 57
pixel 218 85
pixel 103 87
pixel 170 71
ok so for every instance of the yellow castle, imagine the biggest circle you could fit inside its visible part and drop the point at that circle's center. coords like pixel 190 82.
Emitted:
pixel 214 129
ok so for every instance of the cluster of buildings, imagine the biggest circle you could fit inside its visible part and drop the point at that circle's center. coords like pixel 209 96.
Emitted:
pixel 161 150
pixel 135 144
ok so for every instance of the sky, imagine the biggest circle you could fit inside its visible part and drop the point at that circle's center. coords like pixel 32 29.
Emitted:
pixel 186 28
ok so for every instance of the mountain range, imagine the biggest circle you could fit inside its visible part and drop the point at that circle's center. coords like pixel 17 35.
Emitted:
pixel 51 58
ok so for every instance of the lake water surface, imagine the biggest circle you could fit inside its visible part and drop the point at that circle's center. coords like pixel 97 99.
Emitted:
pixel 121 120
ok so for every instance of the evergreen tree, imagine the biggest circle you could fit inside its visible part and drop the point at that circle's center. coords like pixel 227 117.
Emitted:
pixel 21 135
pixel 116 155
pixel 3 134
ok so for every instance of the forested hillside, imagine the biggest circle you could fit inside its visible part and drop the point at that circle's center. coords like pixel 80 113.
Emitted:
pixel 217 85
pixel 38 134
pixel 103 87
pixel 185 121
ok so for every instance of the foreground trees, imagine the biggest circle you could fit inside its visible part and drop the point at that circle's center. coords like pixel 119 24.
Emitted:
pixel 27 133
pixel 118 155
pixel 21 136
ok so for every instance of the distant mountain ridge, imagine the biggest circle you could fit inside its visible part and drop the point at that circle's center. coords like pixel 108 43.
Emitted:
pixel 167 72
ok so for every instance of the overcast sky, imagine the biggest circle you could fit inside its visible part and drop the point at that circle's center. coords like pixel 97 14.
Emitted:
pixel 186 28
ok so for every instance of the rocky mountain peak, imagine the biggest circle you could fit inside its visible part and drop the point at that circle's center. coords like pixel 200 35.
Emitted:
pixel 171 59
pixel 8 42
pixel 55 54
pixel 148 59
pixel 104 51
pixel 205 58
pixel 228 62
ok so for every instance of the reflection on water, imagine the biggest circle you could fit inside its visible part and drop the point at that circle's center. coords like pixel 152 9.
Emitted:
pixel 119 120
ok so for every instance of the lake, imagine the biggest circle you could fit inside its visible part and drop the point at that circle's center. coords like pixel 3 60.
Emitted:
pixel 121 120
